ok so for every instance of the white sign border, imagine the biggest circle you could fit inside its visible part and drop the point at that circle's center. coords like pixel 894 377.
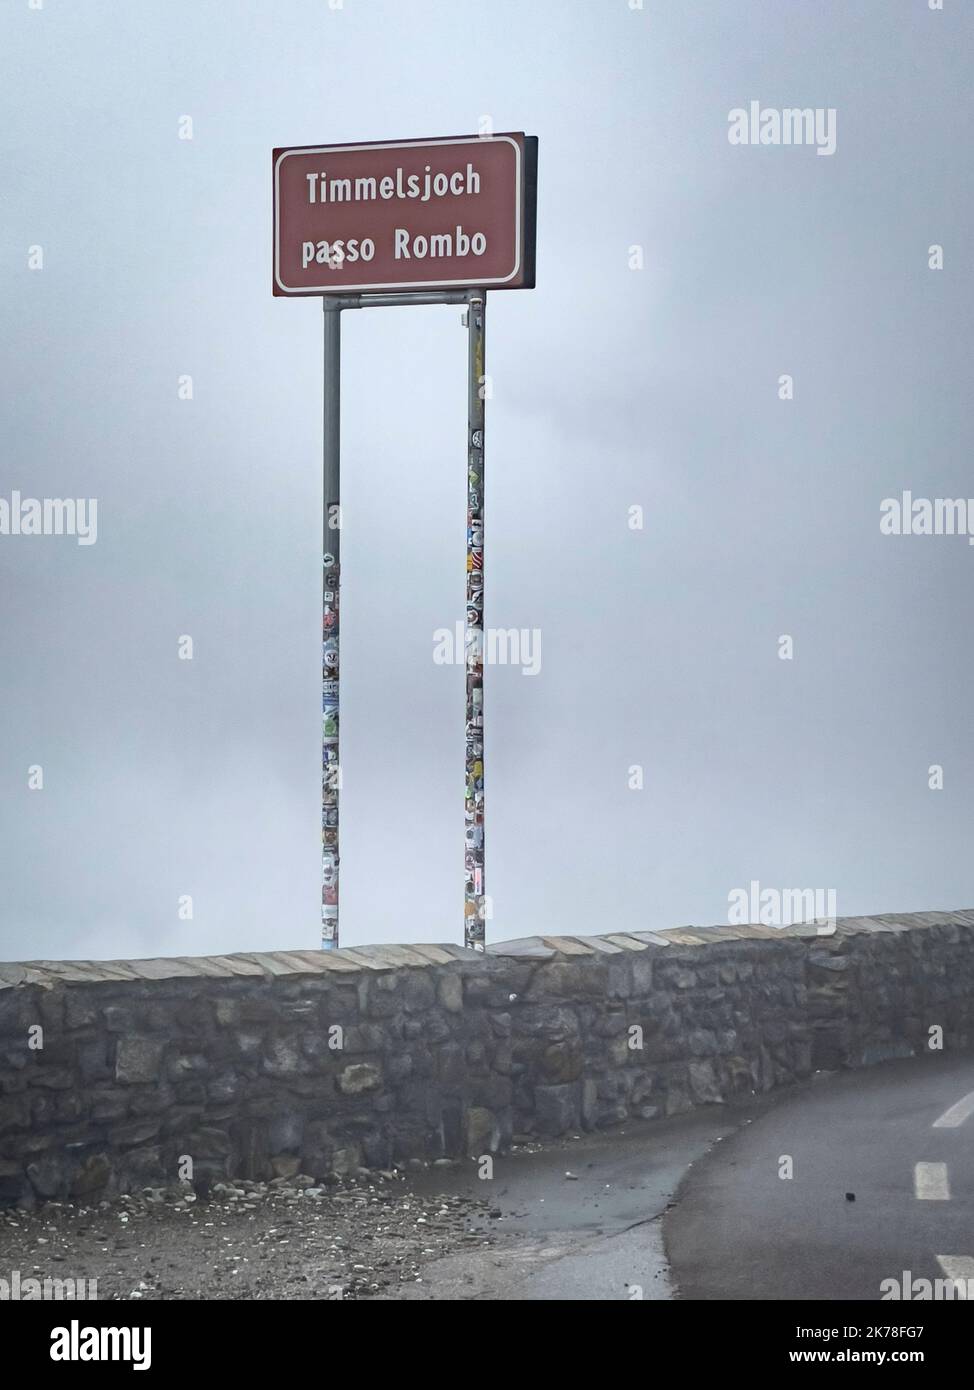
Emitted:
pixel 473 282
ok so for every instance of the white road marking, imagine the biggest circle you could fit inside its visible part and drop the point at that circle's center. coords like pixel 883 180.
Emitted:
pixel 930 1182
pixel 960 1268
pixel 957 1114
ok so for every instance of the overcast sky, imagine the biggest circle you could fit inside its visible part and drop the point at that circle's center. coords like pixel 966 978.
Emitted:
pixel 613 388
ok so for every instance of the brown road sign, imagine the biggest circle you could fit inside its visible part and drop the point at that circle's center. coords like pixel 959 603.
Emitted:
pixel 405 215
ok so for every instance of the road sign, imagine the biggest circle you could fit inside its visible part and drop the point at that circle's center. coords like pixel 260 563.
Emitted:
pixel 405 222
pixel 405 215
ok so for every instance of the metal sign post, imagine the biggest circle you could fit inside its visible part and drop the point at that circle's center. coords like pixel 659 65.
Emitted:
pixel 474 911
pixel 331 580
pixel 469 205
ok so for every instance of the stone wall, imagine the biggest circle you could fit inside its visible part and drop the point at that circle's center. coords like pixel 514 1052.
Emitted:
pixel 263 1065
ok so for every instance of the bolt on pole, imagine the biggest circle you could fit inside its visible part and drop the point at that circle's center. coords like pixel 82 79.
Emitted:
pixel 474 909
pixel 331 576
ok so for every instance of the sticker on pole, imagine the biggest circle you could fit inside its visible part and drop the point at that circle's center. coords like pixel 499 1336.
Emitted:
pixel 406 215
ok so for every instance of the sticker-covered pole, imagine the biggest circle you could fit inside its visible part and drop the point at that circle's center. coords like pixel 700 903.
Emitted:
pixel 331 566
pixel 474 906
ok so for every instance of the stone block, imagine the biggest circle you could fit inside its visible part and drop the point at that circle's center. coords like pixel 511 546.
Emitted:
pixel 138 1060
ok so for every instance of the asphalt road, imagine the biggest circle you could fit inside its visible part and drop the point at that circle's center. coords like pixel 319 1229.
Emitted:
pixel 695 1208
pixel 579 1220
pixel 740 1231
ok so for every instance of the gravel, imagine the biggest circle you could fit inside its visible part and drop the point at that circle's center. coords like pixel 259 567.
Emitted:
pixel 289 1238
